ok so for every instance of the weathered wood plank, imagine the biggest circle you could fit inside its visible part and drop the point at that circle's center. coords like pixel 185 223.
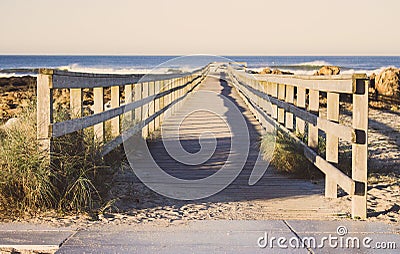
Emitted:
pixel 128 116
pixel 332 142
pixel 300 103
pixel 274 94
pixel 157 101
pixel 98 94
pixel 44 110
pixel 151 106
pixel 313 107
pixel 69 126
pixel 289 99
pixel 138 97
pixel 360 148
pixel 66 79
pixel 115 103
pixel 145 109
pixel 342 131
pixel 76 102
pixel 338 84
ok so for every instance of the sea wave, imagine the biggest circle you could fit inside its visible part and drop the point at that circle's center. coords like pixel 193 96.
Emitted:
pixel 298 71
pixel 10 75
pixel 316 63
pixel 126 70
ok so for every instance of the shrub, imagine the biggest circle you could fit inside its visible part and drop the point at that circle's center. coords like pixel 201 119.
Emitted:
pixel 288 156
pixel 76 179
pixel 25 179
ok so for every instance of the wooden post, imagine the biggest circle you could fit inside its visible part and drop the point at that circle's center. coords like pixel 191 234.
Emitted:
pixel 179 94
pixel 76 106
pixel 98 97
pixel 274 93
pixel 332 143
pixel 281 96
pixel 259 99
pixel 301 103
pixel 360 148
pixel 151 106
pixel 128 114
pixel 170 96
pixel 313 105
pixel 115 103
pixel 44 109
pixel 162 100
pixel 76 102
pixel 264 101
pixel 138 97
pixel 174 94
pixel 157 87
pixel 289 99
pixel 145 110
pixel 269 105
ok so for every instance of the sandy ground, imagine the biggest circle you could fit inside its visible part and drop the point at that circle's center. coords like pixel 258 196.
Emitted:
pixel 133 203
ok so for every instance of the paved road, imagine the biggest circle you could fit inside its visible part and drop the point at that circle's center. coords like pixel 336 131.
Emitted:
pixel 204 237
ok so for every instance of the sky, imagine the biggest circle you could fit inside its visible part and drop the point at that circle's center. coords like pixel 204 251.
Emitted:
pixel 179 27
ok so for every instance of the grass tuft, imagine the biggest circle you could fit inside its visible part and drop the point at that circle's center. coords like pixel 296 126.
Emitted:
pixel 76 179
pixel 288 157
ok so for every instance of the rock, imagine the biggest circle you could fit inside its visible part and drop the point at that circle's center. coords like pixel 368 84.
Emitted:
pixel 275 72
pixel 279 72
pixel 61 99
pixel 328 70
pixel 266 71
pixel 13 84
pixel 252 72
pixel 15 94
pixel 388 82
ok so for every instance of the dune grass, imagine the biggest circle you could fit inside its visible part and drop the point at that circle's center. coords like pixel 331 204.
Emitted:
pixel 288 156
pixel 76 179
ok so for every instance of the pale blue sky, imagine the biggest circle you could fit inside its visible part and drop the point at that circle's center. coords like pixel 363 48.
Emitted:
pixel 223 27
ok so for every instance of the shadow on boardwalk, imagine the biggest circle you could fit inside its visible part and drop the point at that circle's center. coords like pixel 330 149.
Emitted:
pixel 274 195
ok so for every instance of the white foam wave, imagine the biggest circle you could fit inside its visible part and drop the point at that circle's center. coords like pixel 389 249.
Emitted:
pixel 10 75
pixel 346 71
pixel 133 70
pixel 368 72
pixel 315 63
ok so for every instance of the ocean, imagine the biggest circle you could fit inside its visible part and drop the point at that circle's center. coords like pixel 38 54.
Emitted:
pixel 21 64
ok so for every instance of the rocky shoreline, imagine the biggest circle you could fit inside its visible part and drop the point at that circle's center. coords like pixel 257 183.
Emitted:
pixel 16 93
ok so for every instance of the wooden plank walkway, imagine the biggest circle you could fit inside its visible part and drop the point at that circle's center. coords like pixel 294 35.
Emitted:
pixel 275 195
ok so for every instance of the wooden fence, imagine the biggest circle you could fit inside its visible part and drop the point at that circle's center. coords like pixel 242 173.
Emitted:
pixel 144 105
pixel 292 104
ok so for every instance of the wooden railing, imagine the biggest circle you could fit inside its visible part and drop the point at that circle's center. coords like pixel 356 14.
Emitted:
pixel 143 108
pixel 292 103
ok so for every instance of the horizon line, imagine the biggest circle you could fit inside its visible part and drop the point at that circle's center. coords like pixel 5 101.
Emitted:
pixel 175 55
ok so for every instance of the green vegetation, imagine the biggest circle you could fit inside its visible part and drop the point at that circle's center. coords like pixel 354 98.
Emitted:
pixel 75 180
pixel 288 156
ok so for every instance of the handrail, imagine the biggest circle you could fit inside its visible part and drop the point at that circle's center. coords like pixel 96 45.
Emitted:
pixel 144 107
pixel 67 79
pixel 282 100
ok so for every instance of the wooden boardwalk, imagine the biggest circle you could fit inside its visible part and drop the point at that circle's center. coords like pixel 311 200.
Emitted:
pixel 277 195
pixel 217 114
